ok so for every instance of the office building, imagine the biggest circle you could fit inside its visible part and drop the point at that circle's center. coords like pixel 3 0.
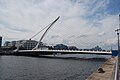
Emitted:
pixel 29 44
pixel 26 44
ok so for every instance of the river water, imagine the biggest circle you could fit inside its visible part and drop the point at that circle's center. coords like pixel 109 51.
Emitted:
pixel 37 68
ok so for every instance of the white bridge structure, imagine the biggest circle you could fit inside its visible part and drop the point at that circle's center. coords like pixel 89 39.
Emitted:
pixel 37 51
pixel 48 52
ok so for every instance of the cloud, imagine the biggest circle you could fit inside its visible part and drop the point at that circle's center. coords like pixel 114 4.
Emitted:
pixel 111 41
pixel 12 27
pixel 101 34
pixel 55 36
pixel 84 23
pixel 83 36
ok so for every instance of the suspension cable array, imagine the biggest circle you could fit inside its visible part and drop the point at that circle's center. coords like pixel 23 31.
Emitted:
pixel 48 28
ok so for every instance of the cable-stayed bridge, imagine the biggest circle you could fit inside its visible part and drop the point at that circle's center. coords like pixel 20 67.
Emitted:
pixel 37 51
pixel 48 52
pixel 112 65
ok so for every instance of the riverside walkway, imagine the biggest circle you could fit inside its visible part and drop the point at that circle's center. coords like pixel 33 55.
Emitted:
pixel 107 71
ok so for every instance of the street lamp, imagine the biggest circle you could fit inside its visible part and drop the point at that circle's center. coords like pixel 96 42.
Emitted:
pixel 117 30
pixel 118 60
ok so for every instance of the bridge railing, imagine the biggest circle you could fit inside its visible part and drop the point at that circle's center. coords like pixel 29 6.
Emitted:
pixel 116 70
pixel 82 50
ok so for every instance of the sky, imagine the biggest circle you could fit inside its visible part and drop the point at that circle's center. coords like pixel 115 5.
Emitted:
pixel 82 23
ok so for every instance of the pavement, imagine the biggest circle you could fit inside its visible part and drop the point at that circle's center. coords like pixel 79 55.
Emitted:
pixel 107 71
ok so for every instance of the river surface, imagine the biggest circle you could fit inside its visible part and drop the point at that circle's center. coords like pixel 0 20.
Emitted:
pixel 37 68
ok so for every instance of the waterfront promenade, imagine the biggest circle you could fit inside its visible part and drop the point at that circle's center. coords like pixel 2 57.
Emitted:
pixel 106 71
pixel 109 71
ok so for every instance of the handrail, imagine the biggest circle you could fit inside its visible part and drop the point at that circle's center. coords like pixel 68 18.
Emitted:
pixel 116 76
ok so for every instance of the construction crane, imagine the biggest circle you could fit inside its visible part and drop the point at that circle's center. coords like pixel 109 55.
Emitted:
pixel 48 28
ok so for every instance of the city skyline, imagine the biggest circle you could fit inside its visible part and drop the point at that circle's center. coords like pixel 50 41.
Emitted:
pixel 84 24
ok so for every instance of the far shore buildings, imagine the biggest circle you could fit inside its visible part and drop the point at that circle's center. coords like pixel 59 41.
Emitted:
pixel 26 44
pixel 65 47
pixel 30 44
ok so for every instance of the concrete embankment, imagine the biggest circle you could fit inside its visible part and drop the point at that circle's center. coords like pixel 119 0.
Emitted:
pixel 105 71
pixel 6 53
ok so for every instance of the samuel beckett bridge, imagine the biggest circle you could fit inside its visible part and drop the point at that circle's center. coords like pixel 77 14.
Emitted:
pixel 39 51
pixel 108 71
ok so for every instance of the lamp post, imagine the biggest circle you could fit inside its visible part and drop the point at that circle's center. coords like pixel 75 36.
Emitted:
pixel 118 54
pixel 117 30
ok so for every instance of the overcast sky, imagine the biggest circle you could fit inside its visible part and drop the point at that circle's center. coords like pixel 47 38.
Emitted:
pixel 82 23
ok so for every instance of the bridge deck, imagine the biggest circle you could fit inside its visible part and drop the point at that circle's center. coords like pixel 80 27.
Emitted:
pixel 44 52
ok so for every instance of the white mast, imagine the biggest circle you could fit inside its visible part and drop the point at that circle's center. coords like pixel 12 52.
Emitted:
pixel 36 47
